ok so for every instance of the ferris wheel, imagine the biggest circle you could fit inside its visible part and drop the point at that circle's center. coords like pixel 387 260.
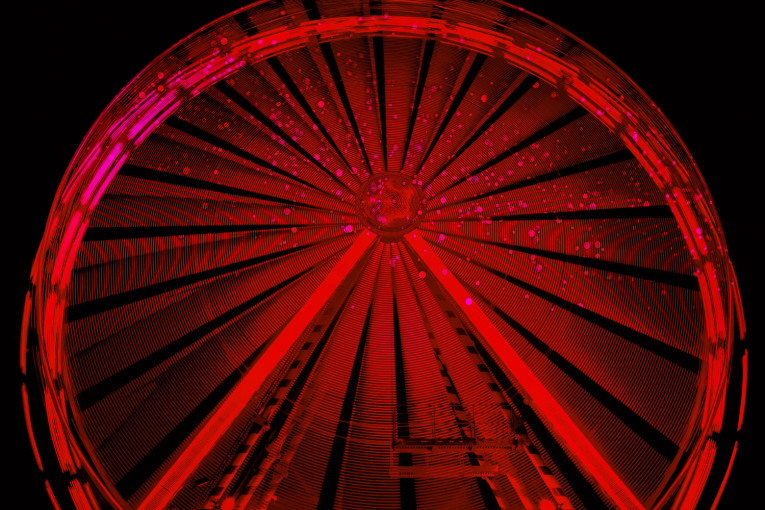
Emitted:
pixel 383 255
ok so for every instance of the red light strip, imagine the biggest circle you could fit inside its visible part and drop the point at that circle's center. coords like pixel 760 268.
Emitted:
pixel 236 401
pixel 25 332
pixel 725 478
pixel 28 420
pixel 51 496
pixel 744 382
pixel 573 438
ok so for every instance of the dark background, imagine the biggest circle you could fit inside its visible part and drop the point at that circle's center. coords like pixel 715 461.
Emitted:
pixel 70 58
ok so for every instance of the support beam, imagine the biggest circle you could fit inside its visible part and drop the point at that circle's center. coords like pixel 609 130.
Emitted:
pixel 237 400
pixel 541 399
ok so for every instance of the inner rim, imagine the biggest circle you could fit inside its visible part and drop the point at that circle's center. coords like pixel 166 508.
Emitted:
pixel 390 204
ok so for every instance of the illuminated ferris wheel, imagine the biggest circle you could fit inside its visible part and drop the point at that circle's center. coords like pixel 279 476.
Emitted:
pixel 364 255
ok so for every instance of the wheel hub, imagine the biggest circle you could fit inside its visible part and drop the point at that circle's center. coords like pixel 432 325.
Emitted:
pixel 390 204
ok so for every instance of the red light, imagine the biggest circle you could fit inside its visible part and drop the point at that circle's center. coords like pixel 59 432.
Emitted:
pixel 325 255
pixel 744 383
pixel 546 504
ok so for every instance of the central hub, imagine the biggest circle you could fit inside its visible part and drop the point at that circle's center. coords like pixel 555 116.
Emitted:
pixel 389 204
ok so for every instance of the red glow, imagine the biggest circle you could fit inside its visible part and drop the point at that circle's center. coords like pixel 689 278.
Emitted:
pixel 546 504
pixel 540 397
pixel 25 333
pixel 27 420
pixel 725 478
pixel 192 345
pixel 744 382
pixel 236 400
pixel 52 496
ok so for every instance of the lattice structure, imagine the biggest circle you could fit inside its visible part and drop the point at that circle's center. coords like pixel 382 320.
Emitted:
pixel 401 254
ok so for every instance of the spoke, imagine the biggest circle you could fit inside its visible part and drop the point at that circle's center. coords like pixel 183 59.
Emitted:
pixel 248 26
pixel 148 174
pixel 105 387
pixel 407 489
pixel 332 474
pixel 114 233
pixel 652 436
pixel 131 481
pixel 511 99
pixel 88 308
pixel 657 440
pixel 286 79
pixel 467 82
pixel 236 401
pixel 618 213
pixel 488 487
pixel 571 473
pixel 472 348
pixel 201 134
pixel 609 159
pixel 312 10
pixel 684 281
pixel 334 71
pixel 427 55
pixel 283 415
pixel 528 382
pixel 235 96
pixel 287 435
pixel 567 119
pixel 379 61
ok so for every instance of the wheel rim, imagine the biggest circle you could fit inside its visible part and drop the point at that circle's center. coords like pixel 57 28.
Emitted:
pixel 191 209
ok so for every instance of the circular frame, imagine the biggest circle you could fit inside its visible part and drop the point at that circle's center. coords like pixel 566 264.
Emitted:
pixel 528 42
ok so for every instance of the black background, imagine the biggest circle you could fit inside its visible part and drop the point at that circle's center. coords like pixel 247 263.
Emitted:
pixel 69 59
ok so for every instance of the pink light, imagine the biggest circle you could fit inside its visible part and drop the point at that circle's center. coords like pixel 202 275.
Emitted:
pixel 66 244
pixel 105 166
pixel 107 181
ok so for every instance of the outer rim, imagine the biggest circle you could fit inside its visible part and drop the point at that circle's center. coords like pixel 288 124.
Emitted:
pixel 133 115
